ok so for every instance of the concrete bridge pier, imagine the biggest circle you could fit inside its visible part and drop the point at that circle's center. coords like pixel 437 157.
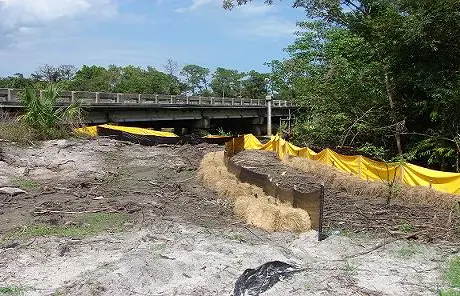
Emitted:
pixel 203 123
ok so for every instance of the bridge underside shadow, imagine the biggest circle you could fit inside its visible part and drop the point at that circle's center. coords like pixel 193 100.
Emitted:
pixel 187 120
pixel 240 126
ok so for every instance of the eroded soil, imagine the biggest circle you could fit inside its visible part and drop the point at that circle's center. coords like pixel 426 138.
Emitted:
pixel 178 237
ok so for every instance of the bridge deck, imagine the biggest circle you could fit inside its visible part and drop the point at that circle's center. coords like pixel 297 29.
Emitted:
pixel 10 97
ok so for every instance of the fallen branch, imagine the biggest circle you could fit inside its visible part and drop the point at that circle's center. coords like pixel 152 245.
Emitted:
pixel 384 243
pixel 188 179
pixel 43 212
pixel 247 228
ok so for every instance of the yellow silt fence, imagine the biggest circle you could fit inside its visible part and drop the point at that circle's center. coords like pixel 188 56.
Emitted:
pixel 363 167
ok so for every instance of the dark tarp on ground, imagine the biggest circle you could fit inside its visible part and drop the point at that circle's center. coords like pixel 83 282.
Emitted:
pixel 255 281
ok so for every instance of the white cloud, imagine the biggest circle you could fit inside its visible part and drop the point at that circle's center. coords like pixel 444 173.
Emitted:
pixel 249 9
pixel 253 9
pixel 17 14
pixel 269 27
pixel 196 4
pixel 253 19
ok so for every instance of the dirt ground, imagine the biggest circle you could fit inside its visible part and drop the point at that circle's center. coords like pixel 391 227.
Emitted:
pixel 177 237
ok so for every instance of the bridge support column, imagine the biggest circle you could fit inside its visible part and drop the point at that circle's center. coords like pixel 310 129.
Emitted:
pixel 257 130
pixel 204 123
pixel 269 115
pixel 9 97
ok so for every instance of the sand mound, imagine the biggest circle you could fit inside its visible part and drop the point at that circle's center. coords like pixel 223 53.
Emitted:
pixel 251 204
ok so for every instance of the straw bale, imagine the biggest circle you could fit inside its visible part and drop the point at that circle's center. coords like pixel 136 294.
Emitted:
pixel 251 204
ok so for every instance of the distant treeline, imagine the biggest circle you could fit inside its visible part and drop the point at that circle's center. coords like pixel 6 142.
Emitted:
pixel 190 79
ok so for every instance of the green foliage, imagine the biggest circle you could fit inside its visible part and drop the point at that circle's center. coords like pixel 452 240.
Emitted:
pixel 222 132
pixel 227 83
pixel 408 251
pixel 44 115
pixel 452 273
pixel 379 153
pixel 132 79
pixel 25 183
pixel 350 269
pixel 12 291
pixel 337 83
pixel 127 79
pixel 196 78
pixel 86 225
pixel 378 72
pixel 16 81
pixel 450 292
pixel 254 86
pixel 406 228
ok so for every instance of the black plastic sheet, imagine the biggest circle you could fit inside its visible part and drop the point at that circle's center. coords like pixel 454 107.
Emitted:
pixel 253 282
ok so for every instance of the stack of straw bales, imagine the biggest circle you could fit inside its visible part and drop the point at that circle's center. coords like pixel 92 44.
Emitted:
pixel 250 203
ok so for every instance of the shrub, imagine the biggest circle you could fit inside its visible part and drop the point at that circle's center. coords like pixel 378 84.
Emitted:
pixel 43 114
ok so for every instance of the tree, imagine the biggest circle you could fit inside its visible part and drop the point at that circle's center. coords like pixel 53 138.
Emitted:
pixel 53 74
pixel 16 81
pixel 196 78
pixel 160 83
pixel 67 72
pixel 46 73
pixel 227 83
pixel 94 78
pixel 254 86
pixel 171 67
pixel 412 47
pixel 339 85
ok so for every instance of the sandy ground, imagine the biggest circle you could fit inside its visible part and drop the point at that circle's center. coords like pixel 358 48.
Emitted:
pixel 180 239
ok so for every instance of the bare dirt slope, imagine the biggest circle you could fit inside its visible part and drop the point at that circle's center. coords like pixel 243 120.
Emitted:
pixel 177 237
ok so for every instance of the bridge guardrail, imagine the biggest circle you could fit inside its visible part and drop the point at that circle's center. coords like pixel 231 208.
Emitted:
pixel 8 95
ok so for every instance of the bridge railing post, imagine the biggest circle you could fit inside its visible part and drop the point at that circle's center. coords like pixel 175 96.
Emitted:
pixel 139 98
pixel 118 97
pixel 212 100
pixel 233 101
pixel 156 99
pixel 188 100
pixel 98 97
pixel 72 96
pixel 172 98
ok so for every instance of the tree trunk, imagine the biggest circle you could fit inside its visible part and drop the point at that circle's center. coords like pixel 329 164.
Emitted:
pixel 393 113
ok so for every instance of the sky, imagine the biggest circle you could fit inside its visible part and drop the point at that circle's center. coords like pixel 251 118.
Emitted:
pixel 143 32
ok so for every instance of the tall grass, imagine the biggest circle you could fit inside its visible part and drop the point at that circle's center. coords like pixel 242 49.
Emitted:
pixel 14 130
pixel 45 116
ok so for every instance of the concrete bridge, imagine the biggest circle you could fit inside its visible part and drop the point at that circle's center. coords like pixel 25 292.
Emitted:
pixel 158 111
